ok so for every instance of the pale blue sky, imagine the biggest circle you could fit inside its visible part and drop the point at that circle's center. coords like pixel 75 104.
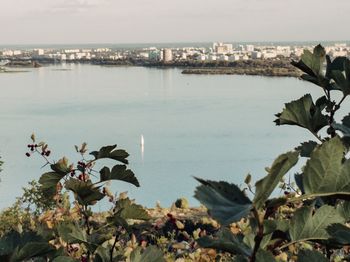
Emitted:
pixel 145 21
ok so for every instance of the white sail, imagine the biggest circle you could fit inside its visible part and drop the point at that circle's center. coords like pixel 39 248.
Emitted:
pixel 142 141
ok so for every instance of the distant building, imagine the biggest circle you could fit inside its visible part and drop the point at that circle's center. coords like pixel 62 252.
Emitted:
pixel 167 55
pixel 39 52
pixel 212 58
pixel 7 53
pixel 256 55
pixel 234 57
pixel 249 48
pixel 269 54
pixel 221 48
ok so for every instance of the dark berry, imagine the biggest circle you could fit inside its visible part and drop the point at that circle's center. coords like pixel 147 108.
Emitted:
pixel 27 154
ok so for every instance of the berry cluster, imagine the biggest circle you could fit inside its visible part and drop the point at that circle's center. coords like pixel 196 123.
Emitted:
pixel 34 148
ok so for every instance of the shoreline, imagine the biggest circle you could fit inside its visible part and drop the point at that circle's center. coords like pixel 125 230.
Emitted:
pixel 259 67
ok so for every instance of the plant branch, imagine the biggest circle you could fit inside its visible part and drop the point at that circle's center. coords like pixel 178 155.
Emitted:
pixel 259 236
pixel 113 246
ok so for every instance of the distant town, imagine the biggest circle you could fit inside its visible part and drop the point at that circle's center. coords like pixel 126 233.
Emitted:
pixel 220 58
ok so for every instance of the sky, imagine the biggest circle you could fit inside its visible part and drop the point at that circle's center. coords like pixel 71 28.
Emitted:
pixel 172 21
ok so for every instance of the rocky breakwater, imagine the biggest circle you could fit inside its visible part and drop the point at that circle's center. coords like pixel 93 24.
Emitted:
pixel 280 68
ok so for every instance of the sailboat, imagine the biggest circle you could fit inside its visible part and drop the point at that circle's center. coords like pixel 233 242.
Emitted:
pixel 142 141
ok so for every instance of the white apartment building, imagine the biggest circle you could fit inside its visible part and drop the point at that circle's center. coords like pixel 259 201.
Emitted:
pixel 167 55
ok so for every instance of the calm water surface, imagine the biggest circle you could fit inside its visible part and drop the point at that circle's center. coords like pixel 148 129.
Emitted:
pixel 216 127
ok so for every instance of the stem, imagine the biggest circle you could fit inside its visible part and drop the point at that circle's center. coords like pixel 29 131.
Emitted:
pixel 259 236
pixel 310 196
pixel 86 217
pixel 113 247
pixel 331 116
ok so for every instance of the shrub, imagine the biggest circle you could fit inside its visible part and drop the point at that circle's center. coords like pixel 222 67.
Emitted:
pixel 308 222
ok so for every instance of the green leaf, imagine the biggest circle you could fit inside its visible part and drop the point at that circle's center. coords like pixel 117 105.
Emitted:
pixel 150 254
pixel 325 171
pixel 279 168
pixel 341 81
pixel 71 233
pixel 14 240
pixel 224 201
pixel 264 256
pixel 344 209
pixel 227 242
pixel 339 233
pixel 129 210
pixel 102 254
pixel 308 226
pixel 312 65
pixel 119 172
pixel 32 250
pixel 112 153
pixel 61 167
pixel 315 60
pixel 341 76
pixel 49 182
pixel 304 113
pixel 299 181
pixel 306 148
pixel 311 256
pixel 64 259
pixel 344 127
pixel 85 192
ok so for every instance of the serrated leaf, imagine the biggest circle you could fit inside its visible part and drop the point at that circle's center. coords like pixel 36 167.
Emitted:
pixel 339 233
pixel 71 233
pixel 225 202
pixel 308 226
pixel 129 210
pixel 112 153
pixel 264 256
pixel 306 148
pixel 325 171
pixel 150 254
pixel 225 241
pixel 49 183
pixel 61 167
pixel 279 168
pixel 13 240
pixel 311 256
pixel 32 250
pixel 314 60
pixel 344 127
pixel 85 192
pixel 344 209
pixel 119 172
pixel 304 113
pixel 341 76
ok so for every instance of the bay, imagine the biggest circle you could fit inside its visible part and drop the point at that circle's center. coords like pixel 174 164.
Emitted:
pixel 211 126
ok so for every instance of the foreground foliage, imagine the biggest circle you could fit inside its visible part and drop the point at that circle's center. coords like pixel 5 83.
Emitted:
pixel 55 219
pixel 309 221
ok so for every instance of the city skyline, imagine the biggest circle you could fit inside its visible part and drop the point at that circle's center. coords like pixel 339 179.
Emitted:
pixel 165 21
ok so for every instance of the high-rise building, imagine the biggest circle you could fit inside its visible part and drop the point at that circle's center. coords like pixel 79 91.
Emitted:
pixel 167 55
